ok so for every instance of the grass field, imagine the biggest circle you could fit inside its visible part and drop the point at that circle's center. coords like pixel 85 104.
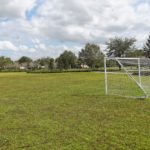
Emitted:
pixel 69 111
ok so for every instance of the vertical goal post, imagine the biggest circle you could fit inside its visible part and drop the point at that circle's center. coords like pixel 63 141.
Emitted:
pixel 132 80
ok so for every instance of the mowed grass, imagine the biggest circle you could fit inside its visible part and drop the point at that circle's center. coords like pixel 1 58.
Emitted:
pixel 69 111
pixel 121 84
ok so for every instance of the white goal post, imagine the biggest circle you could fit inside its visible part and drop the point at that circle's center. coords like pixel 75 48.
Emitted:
pixel 129 77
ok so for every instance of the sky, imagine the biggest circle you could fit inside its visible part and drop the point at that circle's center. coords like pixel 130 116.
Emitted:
pixel 40 28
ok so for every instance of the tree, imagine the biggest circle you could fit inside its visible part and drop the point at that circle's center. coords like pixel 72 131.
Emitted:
pixel 25 61
pixel 51 64
pixel 118 47
pixel 5 62
pixel 46 62
pixel 147 48
pixel 135 53
pixel 66 60
pixel 91 55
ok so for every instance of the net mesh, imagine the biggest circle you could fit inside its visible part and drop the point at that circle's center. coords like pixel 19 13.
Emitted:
pixel 128 77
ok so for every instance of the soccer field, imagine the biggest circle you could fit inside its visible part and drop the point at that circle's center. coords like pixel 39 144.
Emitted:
pixel 69 111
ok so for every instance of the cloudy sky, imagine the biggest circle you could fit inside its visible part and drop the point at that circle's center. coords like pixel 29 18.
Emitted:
pixel 38 28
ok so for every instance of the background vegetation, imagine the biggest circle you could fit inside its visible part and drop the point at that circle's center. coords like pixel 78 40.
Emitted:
pixel 90 57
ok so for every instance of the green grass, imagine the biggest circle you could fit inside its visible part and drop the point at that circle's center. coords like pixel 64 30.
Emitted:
pixel 69 111
pixel 122 84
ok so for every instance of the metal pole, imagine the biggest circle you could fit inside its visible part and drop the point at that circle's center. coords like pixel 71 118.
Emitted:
pixel 105 67
pixel 139 69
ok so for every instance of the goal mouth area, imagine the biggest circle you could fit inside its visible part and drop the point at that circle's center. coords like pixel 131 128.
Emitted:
pixel 127 77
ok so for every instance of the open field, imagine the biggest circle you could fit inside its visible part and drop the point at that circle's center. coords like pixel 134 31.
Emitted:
pixel 69 111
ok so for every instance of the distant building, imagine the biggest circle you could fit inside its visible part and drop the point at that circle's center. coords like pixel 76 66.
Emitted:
pixel 43 67
pixel 22 68
pixel 85 66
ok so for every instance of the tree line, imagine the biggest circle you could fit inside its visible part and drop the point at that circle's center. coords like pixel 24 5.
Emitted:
pixel 90 56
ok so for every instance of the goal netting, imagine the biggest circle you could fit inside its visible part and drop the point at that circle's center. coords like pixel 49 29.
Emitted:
pixel 129 77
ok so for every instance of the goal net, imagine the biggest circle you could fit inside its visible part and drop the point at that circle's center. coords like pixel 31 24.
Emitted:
pixel 129 77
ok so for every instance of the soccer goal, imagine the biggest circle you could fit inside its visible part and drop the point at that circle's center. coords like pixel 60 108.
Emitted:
pixel 128 77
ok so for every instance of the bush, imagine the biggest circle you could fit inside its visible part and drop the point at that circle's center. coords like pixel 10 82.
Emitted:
pixel 63 71
pixel 142 73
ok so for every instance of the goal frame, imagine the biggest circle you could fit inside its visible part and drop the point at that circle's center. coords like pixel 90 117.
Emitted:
pixel 139 82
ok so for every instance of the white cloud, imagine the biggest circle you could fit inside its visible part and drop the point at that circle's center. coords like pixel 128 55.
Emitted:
pixel 25 48
pixel 7 45
pixel 81 21
pixel 69 24
pixel 15 8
